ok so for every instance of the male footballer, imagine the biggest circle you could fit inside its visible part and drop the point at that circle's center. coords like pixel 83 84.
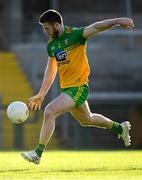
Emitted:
pixel 67 56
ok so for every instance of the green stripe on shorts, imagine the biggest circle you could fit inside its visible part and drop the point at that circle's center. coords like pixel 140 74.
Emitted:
pixel 78 94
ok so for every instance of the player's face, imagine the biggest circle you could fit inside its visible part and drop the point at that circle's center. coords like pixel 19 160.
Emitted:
pixel 51 30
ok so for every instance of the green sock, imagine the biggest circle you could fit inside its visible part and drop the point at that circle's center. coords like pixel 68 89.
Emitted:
pixel 39 149
pixel 117 128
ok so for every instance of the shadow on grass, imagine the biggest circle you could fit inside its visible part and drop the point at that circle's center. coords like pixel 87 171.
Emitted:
pixel 69 170
pixel 14 170
pixel 95 169
pixel 85 170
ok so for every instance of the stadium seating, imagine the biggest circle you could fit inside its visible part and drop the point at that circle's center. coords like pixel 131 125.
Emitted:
pixel 14 86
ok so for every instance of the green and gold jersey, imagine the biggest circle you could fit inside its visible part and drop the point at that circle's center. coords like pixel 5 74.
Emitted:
pixel 70 52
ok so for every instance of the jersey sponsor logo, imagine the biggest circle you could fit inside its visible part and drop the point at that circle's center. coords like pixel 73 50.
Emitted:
pixel 63 62
pixel 61 55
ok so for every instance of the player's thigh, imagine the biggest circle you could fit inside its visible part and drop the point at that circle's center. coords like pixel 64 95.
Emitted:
pixel 82 113
pixel 60 105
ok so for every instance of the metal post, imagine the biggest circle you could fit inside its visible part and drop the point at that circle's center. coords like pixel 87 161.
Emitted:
pixel 54 4
pixel 76 136
pixel 128 5
pixel 1 123
pixel 18 136
pixel 128 8
pixel 65 126
pixel 15 20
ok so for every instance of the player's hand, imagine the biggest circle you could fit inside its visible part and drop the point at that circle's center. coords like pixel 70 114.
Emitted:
pixel 35 102
pixel 125 22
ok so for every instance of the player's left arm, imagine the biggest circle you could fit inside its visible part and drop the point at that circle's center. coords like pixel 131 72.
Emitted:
pixel 107 24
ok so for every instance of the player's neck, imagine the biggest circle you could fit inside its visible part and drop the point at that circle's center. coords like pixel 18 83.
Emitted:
pixel 61 30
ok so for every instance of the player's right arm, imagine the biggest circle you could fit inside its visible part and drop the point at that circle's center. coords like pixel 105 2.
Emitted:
pixel 49 76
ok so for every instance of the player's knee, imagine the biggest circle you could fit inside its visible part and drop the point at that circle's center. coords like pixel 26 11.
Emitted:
pixel 48 112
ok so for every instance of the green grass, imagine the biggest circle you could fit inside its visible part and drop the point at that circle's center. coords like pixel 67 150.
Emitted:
pixel 74 165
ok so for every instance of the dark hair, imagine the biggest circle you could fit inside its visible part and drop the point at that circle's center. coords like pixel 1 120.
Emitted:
pixel 50 16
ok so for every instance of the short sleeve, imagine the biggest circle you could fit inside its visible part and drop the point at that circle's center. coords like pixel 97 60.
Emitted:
pixel 50 54
pixel 79 33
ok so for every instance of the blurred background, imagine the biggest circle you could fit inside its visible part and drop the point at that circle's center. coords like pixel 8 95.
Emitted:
pixel 115 57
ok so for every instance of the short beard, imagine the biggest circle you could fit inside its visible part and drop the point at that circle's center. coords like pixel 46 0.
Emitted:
pixel 55 34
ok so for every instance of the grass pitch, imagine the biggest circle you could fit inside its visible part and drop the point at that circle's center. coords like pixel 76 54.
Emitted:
pixel 74 165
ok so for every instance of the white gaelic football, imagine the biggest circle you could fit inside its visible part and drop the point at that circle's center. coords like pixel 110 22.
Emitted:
pixel 17 112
